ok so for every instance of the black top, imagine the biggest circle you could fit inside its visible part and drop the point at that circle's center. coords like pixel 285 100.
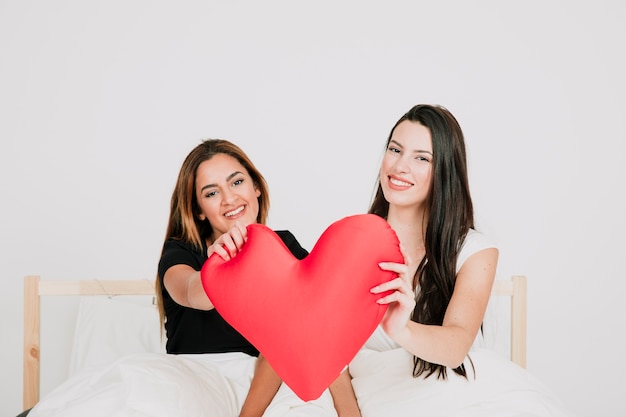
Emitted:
pixel 197 331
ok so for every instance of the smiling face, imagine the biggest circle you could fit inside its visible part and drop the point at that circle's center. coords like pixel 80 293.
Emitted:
pixel 225 193
pixel 406 169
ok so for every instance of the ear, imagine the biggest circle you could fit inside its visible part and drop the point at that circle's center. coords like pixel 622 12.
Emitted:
pixel 202 217
pixel 257 192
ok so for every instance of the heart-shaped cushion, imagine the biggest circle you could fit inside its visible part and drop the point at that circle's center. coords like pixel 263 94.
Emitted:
pixel 307 317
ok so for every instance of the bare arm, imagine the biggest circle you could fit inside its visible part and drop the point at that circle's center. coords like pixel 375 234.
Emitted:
pixel 185 286
pixel 263 388
pixel 343 396
pixel 183 282
pixel 449 343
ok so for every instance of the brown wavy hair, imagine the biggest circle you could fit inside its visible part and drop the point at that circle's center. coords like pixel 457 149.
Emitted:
pixel 184 223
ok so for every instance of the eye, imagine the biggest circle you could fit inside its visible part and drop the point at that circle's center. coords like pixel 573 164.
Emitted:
pixel 393 149
pixel 238 181
pixel 210 194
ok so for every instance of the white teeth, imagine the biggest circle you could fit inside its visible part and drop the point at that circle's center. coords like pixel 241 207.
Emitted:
pixel 400 183
pixel 234 212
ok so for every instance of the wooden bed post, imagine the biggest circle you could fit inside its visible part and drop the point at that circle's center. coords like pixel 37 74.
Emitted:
pixel 31 341
pixel 34 288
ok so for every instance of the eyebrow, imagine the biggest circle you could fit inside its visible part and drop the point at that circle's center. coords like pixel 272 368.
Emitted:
pixel 228 178
pixel 414 151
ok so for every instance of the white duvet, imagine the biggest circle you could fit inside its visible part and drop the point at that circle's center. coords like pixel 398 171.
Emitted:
pixel 385 386
pixel 107 382
pixel 215 385
pixel 383 380
pixel 161 385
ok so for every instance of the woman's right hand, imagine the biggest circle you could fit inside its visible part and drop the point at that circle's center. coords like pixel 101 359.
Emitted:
pixel 230 243
pixel 401 300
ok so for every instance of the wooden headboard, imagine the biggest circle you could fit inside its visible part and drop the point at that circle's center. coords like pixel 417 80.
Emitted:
pixel 34 289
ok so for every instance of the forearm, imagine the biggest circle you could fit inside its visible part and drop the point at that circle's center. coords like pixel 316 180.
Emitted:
pixel 185 286
pixel 344 397
pixel 449 343
pixel 263 388
pixel 196 296
pixel 444 345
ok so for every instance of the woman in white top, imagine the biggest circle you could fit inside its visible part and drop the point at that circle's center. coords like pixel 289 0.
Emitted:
pixel 434 310
pixel 418 361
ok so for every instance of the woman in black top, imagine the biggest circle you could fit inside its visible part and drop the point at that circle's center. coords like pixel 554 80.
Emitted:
pixel 218 193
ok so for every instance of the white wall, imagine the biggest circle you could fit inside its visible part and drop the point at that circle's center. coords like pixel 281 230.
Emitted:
pixel 101 100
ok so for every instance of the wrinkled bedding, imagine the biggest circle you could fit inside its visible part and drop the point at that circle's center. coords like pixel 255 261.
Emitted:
pixel 161 385
pixel 139 380
pixel 496 387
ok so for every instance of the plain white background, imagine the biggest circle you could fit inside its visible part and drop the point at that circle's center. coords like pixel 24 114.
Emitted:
pixel 100 101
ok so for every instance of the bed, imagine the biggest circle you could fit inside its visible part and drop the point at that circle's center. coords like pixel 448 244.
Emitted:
pixel 190 385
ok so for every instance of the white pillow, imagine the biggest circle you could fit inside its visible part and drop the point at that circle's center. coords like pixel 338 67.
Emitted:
pixel 108 328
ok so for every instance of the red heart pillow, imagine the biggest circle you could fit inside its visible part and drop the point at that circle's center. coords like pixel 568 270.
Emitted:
pixel 308 317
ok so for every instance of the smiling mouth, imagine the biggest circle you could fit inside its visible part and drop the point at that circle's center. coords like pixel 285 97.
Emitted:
pixel 234 212
pixel 399 183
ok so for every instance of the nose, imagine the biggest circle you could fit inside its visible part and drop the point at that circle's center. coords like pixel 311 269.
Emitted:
pixel 401 165
pixel 228 196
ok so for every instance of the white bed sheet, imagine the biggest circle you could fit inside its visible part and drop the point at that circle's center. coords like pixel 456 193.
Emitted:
pixel 135 378
pixel 118 367
pixel 385 386
pixel 162 385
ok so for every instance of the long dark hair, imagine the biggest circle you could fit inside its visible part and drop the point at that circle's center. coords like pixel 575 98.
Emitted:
pixel 184 223
pixel 450 217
